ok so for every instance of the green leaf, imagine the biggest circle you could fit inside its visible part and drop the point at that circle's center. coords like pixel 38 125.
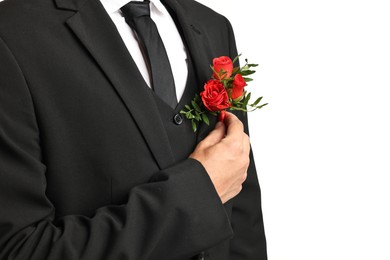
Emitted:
pixel 247 79
pixel 194 127
pixel 246 99
pixel 263 105
pixel 236 58
pixel 205 119
pixel 196 106
pixel 239 109
pixel 247 72
pixel 188 107
pixel 197 116
pixel 190 116
pixel 252 65
pixel 257 101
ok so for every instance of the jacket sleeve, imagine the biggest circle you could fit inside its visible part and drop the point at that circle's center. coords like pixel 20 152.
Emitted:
pixel 172 217
pixel 247 219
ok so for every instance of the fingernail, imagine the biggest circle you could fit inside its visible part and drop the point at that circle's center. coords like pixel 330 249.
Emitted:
pixel 219 124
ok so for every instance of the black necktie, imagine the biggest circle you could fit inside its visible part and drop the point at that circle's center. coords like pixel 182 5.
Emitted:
pixel 137 16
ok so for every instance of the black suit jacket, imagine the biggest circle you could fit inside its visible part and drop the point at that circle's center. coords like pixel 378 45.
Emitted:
pixel 86 168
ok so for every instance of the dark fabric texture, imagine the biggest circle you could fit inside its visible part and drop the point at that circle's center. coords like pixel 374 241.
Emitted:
pixel 89 168
pixel 179 130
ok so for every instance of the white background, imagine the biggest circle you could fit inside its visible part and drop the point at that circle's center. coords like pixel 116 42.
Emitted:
pixel 322 146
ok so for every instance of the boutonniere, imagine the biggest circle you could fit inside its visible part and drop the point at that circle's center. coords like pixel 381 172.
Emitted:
pixel 225 90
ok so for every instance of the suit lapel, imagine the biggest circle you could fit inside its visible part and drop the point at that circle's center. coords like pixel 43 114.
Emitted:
pixel 198 48
pixel 194 38
pixel 98 34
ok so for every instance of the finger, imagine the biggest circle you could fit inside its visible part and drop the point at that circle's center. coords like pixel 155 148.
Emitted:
pixel 233 125
pixel 246 144
pixel 216 135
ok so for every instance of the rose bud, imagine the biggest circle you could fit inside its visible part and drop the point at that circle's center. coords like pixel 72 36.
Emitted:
pixel 223 67
pixel 238 87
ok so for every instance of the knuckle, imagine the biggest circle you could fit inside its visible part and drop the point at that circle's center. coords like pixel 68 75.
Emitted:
pixel 246 161
pixel 247 138
pixel 242 177
pixel 240 124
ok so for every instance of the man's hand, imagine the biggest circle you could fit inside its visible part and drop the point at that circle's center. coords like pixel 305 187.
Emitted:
pixel 224 153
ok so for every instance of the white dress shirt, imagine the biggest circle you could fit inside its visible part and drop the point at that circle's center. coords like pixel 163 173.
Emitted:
pixel 169 34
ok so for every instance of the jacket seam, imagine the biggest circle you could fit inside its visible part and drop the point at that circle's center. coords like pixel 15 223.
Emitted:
pixel 26 84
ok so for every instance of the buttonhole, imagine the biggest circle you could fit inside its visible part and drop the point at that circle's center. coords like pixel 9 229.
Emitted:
pixel 195 29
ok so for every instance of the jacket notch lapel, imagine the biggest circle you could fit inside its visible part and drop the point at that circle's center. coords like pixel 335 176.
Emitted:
pixel 94 28
pixel 194 38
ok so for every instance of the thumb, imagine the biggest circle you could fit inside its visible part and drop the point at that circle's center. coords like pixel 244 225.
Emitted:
pixel 216 135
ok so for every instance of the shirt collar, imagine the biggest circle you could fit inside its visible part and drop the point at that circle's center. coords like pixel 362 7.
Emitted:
pixel 113 6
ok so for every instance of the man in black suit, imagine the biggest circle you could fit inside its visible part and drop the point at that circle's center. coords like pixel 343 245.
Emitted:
pixel 95 165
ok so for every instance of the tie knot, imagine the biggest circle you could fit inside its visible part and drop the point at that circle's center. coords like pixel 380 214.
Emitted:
pixel 135 9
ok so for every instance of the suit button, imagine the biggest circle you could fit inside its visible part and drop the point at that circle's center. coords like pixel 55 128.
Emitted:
pixel 178 119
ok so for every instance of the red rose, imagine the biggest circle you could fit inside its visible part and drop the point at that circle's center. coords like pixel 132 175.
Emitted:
pixel 214 96
pixel 223 67
pixel 238 87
